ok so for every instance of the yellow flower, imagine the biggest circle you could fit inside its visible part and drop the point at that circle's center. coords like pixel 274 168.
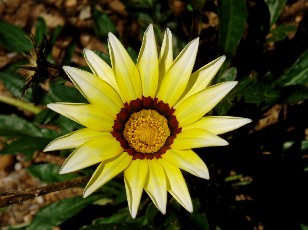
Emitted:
pixel 144 119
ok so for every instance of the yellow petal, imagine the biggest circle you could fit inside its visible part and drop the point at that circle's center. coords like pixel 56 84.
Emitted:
pixel 74 139
pixel 107 170
pixel 196 138
pixel 95 90
pixel 166 55
pixel 219 125
pixel 176 185
pixel 197 105
pixel 187 160
pixel 176 79
pixel 134 178
pixel 156 186
pixel 101 69
pixel 147 63
pixel 200 79
pixel 125 70
pixel 84 114
pixel 92 152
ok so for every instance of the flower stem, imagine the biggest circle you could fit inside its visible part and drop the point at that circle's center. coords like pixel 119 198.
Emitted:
pixel 20 104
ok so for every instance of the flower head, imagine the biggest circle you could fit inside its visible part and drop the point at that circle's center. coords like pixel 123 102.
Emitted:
pixel 144 119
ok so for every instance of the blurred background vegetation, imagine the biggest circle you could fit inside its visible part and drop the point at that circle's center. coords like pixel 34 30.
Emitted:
pixel 259 181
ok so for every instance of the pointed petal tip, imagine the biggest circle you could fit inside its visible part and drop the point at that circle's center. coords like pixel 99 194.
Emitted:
pixel 47 148
pixel 246 121
pixel 224 142
pixel 51 105
pixel 195 41
pixel 133 214
pixel 150 27
pixel 85 194
pixel 223 57
pixel 190 208
pixel 111 36
pixel 67 68
pixel 63 170
pixel 86 52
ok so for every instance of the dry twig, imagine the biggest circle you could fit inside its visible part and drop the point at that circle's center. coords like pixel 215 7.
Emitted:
pixel 14 197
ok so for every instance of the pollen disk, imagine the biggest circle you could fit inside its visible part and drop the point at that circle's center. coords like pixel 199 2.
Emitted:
pixel 146 131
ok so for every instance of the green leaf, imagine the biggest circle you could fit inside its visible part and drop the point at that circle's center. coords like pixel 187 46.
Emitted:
pixel 275 7
pixel 200 221
pixel 304 145
pixel 297 74
pixel 102 24
pixel 53 215
pixel 12 125
pixel 25 145
pixel 49 173
pixel 296 94
pixel 303 227
pixel 61 93
pixel 228 75
pixel 13 38
pixel 14 83
pixel 151 212
pixel 281 32
pixel 45 116
pixel 120 217
pixel 67 125
pixel 40 30
pixel 232 16
pixel 69 53
pixel 172 222
pixel 54 36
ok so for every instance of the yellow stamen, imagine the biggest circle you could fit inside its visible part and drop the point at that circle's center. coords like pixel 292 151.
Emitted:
pixel 146 131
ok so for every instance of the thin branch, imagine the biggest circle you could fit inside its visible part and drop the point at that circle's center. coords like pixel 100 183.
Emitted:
pixel 14 197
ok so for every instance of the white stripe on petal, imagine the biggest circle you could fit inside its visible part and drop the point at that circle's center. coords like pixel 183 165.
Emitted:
pixel 107 170
pixel 92 152
pixel 176 79
pixel 197 105
pixel 134 178
pixel 187 160
pixel 96 91
pixel 219 124
pixel 196 138
pixel 156 186
pixel 101 69
pixel 176 185
pixel 74 139
pixel 147 63
pixel 125 70
pixel 200 79
pixel 84 114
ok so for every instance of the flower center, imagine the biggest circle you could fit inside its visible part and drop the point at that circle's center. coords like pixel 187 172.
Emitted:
pixel 146 131
pixel 145 128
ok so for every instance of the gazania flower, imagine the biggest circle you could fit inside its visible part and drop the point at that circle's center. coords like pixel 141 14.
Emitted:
pixel 144 119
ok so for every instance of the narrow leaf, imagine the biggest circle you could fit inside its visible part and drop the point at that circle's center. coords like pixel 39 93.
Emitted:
pixel 232 16
pixel 14 83
pixel 16 126
pixel 48 173
pixel 275 7
pixel 297 74
pixel 13 38
pixel 53 215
